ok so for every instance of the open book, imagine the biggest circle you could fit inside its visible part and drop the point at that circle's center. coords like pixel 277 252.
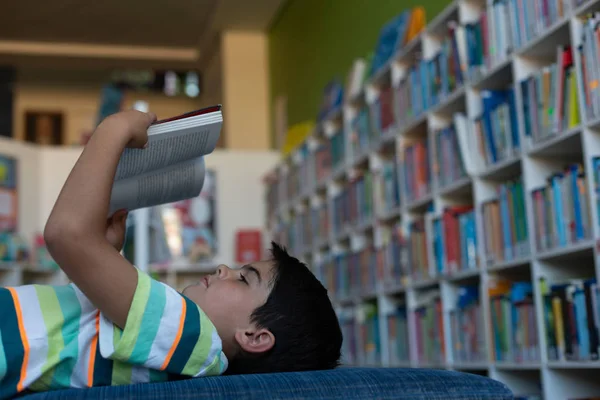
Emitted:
pixel 172 167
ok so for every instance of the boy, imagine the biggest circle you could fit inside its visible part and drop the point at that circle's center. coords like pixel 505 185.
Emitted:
pixel 115 325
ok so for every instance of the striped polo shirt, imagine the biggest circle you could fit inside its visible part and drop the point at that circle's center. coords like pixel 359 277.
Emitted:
pixel 52 337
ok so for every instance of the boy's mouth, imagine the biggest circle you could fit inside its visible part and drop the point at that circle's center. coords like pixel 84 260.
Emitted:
pixel 205 281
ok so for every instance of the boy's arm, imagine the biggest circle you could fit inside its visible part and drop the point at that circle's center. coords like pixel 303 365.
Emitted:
pixel 75 231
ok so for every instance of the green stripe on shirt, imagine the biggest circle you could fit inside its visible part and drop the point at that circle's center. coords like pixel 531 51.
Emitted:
pixel 71 310
pixel 124 347
pixel 53 319
pixel 121 373
pixel 153 313
pixel 202 348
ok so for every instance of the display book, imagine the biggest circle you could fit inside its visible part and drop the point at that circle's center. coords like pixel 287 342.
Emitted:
pixel 171 168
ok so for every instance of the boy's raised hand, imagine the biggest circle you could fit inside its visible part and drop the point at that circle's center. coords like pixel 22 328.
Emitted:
pixel 131 125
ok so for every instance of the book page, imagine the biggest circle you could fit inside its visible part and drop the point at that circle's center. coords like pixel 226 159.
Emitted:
pixel 178 182
pixel 169 148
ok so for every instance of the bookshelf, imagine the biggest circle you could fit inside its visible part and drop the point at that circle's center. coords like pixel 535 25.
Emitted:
pixel 450 206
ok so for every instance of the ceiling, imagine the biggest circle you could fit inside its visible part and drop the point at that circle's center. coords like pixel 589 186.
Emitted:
pixel 185 25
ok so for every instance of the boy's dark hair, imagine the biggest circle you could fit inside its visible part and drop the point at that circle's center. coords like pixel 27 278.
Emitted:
pixel 299 314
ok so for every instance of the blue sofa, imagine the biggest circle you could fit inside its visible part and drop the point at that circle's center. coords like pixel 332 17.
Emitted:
pixel 342 383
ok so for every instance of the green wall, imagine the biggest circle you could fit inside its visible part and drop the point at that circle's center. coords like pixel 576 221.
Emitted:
pixel 313 41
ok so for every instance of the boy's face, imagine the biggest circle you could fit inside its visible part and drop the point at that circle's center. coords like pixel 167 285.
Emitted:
pixel 229 296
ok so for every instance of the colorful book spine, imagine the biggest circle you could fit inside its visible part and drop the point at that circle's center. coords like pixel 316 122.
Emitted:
pixel 359 200
pixel 447 158
pixel 550 99
pixel 319 222
pixel 387 190
pixel 467 327
pixel 370 342
pixel 504 219
pixel 411 94
pixel 418 256
pixel 361 133
pixel 561 210
pixel 429 331
pixel 395 251
pixel 588 50
pixel 443 73
pixel 382 113
pixel 571 319
pixel 596 167
pixel 398 345
pixel 349 344
pixel 322 161
pixel 473 46
pixel 417 173
pixel 338 149
pixel 501 31
pixel 496 130
pixel 514 326
pixel 454 241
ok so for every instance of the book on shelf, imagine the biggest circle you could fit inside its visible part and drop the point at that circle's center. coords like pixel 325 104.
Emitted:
pixel 395 256
pixel 397 327
pixel 429 329
pixel 495 129
pixel 550 99
pixel 561 209
pixel 472 45
pixel 172 167
pixel 349 344
pixel 322 160
pixel 361 135
pixel 588 47
pixel 571 319
pixel 338 149
pixel 382 113
pixel 387 191
pixel 369 336
pixel 418 254
pixel 448 164
pixel 356 79
pixel 467 327
pixel 443 73
pixel 452 241
pixel 514 327
pixel 417 171
pixel 504 221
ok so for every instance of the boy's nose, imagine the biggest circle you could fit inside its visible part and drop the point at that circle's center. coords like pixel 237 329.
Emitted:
pixel 222 271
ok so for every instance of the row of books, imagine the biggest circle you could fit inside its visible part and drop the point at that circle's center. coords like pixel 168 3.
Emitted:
pixel 448 164
pixel 467 327
pixel 350 273
pixel 550 94
pixel 514 326
pixel 570 310
pixel 561 209
pixel 429 330
pixel 588 49
pixel 506 234
pixel 571 319
pixel 443 245
pixel 353 205
pixel 512 24
pixel 387 187
pixel 550 99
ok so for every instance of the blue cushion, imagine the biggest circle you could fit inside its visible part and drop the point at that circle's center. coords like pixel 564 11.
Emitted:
pixel 343 384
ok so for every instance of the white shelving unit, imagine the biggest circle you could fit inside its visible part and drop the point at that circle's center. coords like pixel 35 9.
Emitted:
pixel 537 374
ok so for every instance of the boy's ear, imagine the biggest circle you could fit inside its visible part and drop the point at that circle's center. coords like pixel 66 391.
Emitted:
pixel 255 340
